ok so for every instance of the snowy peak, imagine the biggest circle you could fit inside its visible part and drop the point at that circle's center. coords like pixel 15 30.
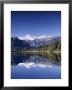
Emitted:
pixel 27 37
pixel 35 41
pixel 30 37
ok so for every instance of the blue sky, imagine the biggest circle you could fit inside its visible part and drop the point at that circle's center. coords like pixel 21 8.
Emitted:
pixel 35 23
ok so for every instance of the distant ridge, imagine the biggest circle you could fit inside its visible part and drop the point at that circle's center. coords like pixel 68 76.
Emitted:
pixel 32 37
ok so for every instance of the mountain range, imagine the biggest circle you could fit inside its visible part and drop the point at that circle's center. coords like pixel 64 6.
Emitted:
pixel 29 41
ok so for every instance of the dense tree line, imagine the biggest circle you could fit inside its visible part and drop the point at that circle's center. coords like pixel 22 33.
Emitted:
pixel 55 46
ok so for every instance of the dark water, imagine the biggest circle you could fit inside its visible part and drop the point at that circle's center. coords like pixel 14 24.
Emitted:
pixel 39 65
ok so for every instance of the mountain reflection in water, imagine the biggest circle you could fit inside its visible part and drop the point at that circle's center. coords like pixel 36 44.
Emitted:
pixel 35 65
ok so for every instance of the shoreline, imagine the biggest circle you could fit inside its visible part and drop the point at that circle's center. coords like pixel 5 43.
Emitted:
pixel 54 51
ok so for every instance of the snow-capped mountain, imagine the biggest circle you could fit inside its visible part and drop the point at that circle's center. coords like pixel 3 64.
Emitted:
pixel 36 41
pixel 30 37
pixel 27 37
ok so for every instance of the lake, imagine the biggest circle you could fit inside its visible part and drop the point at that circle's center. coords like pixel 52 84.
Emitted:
pixel 35 65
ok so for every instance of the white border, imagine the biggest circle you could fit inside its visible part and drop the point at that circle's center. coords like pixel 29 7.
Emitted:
pixel 64 8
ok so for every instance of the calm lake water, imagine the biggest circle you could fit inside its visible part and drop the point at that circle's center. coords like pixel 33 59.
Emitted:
pixel 39 65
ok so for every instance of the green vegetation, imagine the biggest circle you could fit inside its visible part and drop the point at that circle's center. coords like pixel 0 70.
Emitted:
pixel 56 46
pixel 53 48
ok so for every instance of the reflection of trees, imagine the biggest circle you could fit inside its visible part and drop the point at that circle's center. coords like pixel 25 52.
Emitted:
pixel 51 56
pixel 35 57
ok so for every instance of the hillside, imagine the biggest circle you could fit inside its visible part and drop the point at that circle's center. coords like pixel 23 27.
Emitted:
pixel 38 44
